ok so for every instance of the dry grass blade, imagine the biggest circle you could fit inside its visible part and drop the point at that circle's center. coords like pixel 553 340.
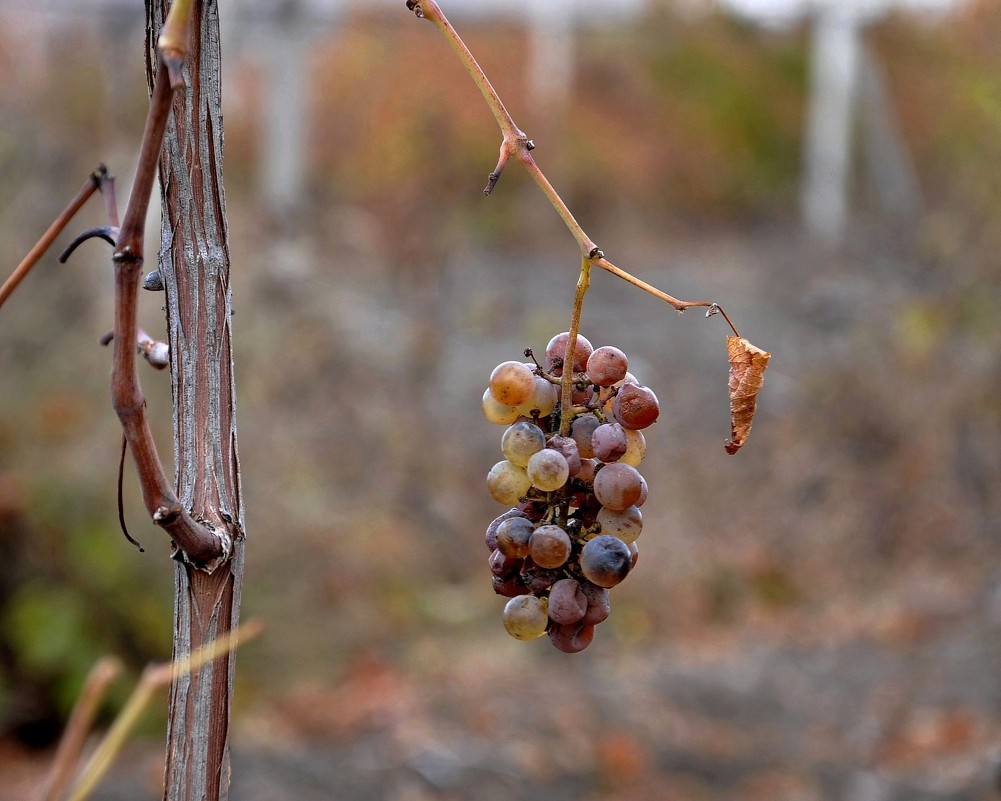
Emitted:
pixel 154 678
pixel 64 764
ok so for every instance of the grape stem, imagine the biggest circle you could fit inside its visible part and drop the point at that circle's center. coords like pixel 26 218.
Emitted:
pixel 566 390
pixel 514 143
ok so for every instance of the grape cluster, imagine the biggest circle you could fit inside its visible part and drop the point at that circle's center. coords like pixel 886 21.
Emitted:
pixel 575 496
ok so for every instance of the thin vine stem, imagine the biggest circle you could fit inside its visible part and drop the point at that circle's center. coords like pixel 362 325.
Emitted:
pixel 516 143
pixel 96 180
pixel 566 386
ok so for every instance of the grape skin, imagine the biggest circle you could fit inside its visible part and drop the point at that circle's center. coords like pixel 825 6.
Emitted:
pixel 520 441
pixel 512 383
pixel 605 560
pixel 635 406
pixel 508 483
pixel 549 546
pixel 626 525
pixel 606 366
pixel 618 486
pixel 571 639
pixel 609 442
pixel 513 536
pixel 547 470
pixel 496 412
pixel 567 602
pixel 526 617
pixel 567 447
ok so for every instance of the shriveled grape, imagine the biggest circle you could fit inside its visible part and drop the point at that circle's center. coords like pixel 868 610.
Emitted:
pixel 635 406
pixel 568 448
pixel 598 604
pixel 567 602
pixel 571 639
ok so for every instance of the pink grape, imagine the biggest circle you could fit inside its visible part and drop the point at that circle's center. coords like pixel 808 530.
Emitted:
pixel 609 442
pixel 567 602
pixel 556 350
pixel 606 366
pixel 571 639
pixel 635 406
pixel 568 448
pixel 618 486
pixel 598 604
pixel 581 430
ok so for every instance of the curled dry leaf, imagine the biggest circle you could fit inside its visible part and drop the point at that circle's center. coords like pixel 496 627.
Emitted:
pixel 747 373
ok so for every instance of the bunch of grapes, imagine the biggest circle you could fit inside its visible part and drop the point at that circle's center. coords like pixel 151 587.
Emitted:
pixel 575 494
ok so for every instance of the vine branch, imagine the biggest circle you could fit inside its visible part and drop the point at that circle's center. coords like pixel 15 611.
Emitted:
pixel 99 179
pixel 196 541
pixel 516 144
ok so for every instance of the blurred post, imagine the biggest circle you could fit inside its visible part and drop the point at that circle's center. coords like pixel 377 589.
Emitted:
pixel 828 146
pixel 551 68
pixel 887 157
pixel 285 123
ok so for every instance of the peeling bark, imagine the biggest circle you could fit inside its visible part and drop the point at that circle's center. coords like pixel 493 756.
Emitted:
pixel 194 265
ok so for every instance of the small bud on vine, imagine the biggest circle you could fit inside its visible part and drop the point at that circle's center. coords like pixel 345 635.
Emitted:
pixel 153 281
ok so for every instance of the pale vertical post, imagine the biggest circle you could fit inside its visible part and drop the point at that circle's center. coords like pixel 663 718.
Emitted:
pixel 552 59
pixel 284 136
pixel 828 145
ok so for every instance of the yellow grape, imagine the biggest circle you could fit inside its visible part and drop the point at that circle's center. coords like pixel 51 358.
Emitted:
pixel 526 617
pixel 497 412
pixel 635 447
pixel 508 483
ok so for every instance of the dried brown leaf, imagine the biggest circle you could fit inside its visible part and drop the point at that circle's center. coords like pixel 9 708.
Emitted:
pixel 747 373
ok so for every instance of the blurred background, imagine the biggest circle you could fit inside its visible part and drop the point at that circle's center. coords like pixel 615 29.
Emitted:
pixel 816 617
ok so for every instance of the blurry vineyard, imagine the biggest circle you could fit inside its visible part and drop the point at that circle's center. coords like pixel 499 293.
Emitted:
pixel 817 617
